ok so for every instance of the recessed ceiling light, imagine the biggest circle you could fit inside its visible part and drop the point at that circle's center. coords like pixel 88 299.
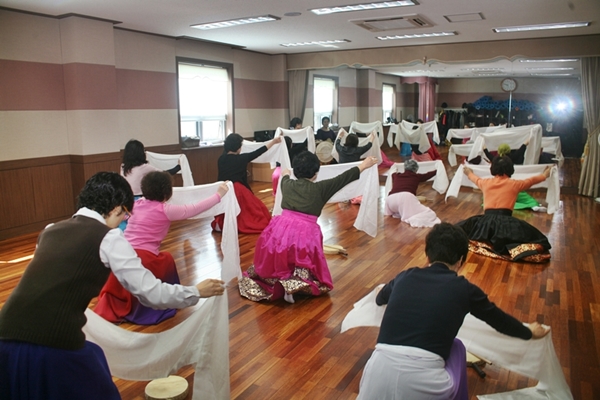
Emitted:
pixel 551 69
pixel 235 22
pixel 552 61
pixel 292 14
pixel 416 35
pixel 364 7
pixel 526 28
pixel 316 43
pixel 464 17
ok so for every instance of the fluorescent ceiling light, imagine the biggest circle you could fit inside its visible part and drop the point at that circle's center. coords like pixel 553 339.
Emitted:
pixel 317 42
pixel 525 28
pixel 364 7
pixel 553 61
pixel 551 74
pixel 416 35
pixel 551 69
pixel 235 22
pixel 482 69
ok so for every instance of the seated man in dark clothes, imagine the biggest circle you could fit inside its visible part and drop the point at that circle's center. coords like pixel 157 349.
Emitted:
pixel 417 355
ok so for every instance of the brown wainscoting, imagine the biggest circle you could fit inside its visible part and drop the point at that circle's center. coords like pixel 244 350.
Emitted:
pixel 38 191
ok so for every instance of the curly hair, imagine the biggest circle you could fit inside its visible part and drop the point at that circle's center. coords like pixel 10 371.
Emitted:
pixel 411 165
pixel 446 243
pixel 502 166
pixel 306 165
pixel 134 155
pixel 233 142
pixel 351 140
pixel 157 186
pixel 104 191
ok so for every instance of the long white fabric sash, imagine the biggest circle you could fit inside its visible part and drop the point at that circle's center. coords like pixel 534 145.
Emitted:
pixel 299 136
pixel 514 137
pixel 552 145
pixel 521 172
pixel 168 161
pixel 406 132
pixel 367 187
pixel 367 127
pixel 374 151
pixel 472 133
pixel 440 180
pixel 533 358
pixel 277 153
pixel 460 150
pixel 201 340
pixel 229 237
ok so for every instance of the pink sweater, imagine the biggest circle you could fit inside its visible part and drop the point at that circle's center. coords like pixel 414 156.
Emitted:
pixel 501 191
pixel 150 220
pixel 134 177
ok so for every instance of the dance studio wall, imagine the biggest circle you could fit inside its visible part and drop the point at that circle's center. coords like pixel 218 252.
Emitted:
pixel 75 90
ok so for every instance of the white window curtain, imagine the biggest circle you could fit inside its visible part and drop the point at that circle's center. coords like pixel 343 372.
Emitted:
pixel 590 89
pixel 324 90
pixel 203 92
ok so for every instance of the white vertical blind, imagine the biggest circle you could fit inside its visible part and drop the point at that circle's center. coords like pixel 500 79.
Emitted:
pixel 324 90
pixel 203 91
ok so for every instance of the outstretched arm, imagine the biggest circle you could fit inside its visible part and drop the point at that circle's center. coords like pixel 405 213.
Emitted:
pixel 177 212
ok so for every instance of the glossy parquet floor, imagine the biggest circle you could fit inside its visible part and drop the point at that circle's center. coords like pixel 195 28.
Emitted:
pixel 296 351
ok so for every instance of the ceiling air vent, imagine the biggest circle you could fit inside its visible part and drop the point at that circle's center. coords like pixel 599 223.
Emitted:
pixel 393 23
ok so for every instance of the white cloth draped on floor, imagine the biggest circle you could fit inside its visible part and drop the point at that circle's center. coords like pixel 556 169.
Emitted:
pixel 407 132
pixel 514 137
pixel 229 237
pixel 168 161
pixel 374 151
pixel 440 180
pixel 277 153
pixel 552 145
pixel 533 358
pixel 367 187
pixel 299 136
pixel 201 340
pixel 367 127
pixel 521 172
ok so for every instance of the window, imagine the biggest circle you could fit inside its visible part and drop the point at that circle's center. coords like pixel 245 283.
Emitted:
pixel 388 102
pixel 205 106
pixel 325 100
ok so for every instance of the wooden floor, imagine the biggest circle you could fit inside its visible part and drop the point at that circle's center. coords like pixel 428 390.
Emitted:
pixel 296 351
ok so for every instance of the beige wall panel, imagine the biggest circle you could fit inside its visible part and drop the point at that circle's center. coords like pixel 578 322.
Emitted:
pixel 278 68
pixel 151 127
pixel 204 51
pixel 87 41
pixel 249 65
pixel 144 52
pixel 31 134
pixel 93 131
pixel 249 120
pixel 347 115
pixel 29 38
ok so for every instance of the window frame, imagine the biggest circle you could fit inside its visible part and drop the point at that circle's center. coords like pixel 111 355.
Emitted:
pixel 228 123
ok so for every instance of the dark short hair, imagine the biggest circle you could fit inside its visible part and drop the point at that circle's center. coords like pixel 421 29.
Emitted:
pixel 420 121
pixel 306 165
pixel 134 155
pixel 502 166
pixel 351 140
pixel 325 118
pixel 104 191
pixel 446 243
pixel 295 121
pixel 233 142
pixel 157 185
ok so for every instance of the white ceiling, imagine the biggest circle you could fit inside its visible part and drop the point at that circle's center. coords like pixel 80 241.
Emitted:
pixel 174 18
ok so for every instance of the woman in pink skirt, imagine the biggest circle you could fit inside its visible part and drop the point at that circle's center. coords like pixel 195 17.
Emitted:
pixel 289 253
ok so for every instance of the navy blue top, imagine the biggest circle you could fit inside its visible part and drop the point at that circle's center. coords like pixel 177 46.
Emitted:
pixel 426 308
